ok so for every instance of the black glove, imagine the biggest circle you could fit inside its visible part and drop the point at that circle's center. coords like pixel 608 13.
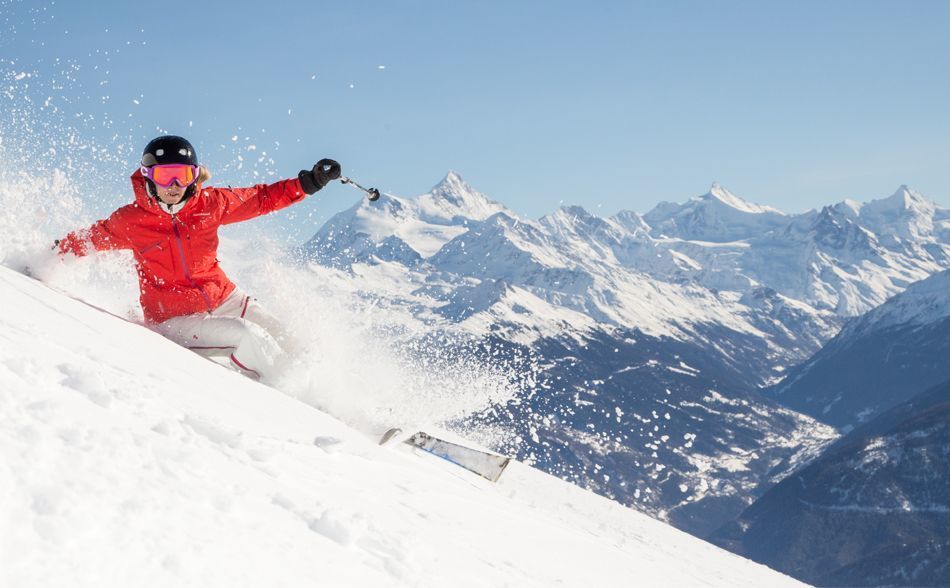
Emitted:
pixel 322 174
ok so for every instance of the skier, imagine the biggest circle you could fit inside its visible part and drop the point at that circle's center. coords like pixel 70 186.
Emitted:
pixel 172 231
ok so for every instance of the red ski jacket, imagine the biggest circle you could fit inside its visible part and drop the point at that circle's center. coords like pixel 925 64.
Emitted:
pixel 176 254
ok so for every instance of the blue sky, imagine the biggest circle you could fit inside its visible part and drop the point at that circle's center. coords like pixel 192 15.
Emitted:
pixel 610 105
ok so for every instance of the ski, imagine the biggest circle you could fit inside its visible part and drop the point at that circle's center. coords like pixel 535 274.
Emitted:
pixel 487 465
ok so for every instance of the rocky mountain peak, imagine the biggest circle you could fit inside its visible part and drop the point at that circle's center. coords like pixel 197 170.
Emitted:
pixel 453 197
pixel 719 194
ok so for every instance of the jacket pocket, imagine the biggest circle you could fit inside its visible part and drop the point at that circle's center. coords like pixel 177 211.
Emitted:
pixel 156 262
pixel 152 247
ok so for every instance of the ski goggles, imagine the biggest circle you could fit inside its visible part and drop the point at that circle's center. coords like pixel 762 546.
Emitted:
pixel 167 174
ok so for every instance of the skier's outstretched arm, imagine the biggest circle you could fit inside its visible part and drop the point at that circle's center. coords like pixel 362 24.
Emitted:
pixel 241 204
pixel 103 235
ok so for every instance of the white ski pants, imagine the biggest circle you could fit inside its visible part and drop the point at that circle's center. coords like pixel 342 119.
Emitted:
pixel 238 329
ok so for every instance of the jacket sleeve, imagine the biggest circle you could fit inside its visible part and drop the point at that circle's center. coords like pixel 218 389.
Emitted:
pixel 241 204
pixel 103 235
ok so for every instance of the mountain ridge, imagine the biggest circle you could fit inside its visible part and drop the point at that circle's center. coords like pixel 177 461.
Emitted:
pixel 872 510
pixel 877 360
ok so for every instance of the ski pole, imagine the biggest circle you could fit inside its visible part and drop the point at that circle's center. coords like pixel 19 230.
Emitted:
pixel 371 193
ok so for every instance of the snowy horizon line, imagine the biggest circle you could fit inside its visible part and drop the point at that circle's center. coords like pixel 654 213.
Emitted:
pixel 716 191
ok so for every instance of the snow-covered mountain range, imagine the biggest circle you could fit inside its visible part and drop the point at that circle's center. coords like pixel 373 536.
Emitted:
pixel 877 360
pixel 715 258
pixel 874 510
pixel 652 332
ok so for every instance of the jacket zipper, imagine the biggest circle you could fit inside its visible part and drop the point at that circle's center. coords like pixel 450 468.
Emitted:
pixel 184 264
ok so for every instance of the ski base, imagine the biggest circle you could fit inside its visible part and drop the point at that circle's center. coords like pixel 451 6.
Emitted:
pixel 487 465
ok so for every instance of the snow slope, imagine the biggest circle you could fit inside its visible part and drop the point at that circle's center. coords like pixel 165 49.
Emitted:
pixel 127 460
pixel 922 303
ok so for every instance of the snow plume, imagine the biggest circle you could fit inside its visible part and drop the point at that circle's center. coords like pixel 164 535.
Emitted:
pixel 55 175
pixel 50 125
pixel 42 206
pixel 63 113
pixel 35 207
pixel 360 358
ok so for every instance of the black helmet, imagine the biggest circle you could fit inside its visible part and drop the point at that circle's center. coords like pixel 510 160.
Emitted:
pixel 169 149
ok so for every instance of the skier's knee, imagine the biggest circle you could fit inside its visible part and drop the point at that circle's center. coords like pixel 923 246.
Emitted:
pixel 256 350
pixel 257 335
